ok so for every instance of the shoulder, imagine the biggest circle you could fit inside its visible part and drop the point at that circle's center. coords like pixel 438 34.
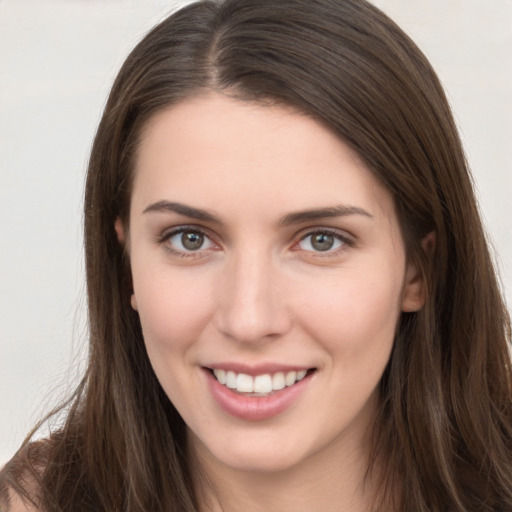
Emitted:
pixel 45 473
pixel 17 496
pixel 11 501
pixel 20 477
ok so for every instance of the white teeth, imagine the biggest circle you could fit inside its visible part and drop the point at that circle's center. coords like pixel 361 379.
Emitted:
pixel 278 381
pixel 231 380
pixel 290 378
pixel 220 375
pixel 261 384
pixel 301 374
pixel 244 383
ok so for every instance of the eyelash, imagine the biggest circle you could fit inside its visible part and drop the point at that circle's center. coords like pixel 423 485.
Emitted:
pixel 165 237
pixel 345 241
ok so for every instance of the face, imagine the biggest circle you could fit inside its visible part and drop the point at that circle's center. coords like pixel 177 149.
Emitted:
pixel 269 274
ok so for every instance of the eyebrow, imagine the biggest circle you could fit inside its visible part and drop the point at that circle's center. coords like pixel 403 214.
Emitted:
pixel 287 220
pixel 322 213
pixel 183 209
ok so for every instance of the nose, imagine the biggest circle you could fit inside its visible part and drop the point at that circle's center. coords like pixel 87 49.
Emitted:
pixel 251 304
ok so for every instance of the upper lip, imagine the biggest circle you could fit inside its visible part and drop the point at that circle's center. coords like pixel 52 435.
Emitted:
pixel 257 369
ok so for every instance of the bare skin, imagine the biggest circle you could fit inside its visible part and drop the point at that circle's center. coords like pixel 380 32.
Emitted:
pixel 259 240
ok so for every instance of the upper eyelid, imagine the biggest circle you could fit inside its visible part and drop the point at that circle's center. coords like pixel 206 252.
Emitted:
pixel 347 240
pixel 168 232
pixel 325 229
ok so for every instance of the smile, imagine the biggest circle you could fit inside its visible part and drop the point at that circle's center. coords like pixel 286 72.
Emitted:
pixel 258 385
pixel 257 394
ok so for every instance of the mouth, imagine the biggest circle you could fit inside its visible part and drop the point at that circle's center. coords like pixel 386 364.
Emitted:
pixel 258 393
pixel 262 385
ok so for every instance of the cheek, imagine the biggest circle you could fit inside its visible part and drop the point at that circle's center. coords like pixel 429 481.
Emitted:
pixel 173 312
pixel 173 309
pixel 354 313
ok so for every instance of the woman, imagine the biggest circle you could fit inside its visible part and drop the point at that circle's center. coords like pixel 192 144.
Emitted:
pixel 291 300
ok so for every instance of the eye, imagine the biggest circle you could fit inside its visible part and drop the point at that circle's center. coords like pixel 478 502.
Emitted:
pixel 323 241
pixel 186 240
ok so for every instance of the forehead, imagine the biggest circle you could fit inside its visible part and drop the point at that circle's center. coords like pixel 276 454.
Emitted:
pixel 222 152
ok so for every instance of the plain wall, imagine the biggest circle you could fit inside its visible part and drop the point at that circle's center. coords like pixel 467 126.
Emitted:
pixel 57 61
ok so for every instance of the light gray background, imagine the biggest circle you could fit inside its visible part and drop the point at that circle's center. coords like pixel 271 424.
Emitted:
pixel 57 61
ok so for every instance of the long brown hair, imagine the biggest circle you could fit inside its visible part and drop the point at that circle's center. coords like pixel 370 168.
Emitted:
pixel 444 431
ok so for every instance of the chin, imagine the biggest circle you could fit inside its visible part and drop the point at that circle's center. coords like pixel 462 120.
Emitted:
pixel 254 455
pixel 262 463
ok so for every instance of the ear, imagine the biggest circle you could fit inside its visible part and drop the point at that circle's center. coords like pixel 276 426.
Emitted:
pixel 413 296
pixel 121 237
pixel 118 226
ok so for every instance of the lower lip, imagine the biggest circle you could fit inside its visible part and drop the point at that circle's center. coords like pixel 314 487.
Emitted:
pixel 256 408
